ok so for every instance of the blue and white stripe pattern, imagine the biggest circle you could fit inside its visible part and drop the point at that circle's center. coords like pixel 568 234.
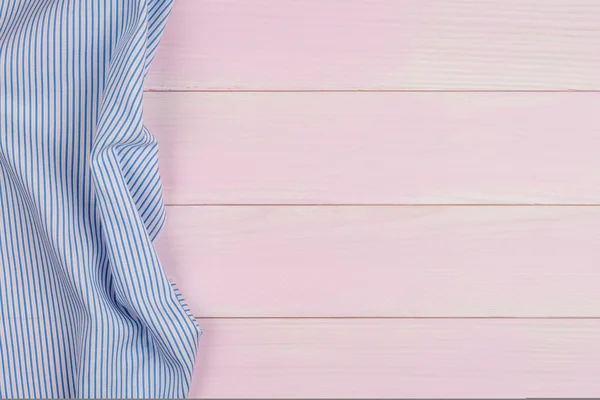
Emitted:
pixel 86 309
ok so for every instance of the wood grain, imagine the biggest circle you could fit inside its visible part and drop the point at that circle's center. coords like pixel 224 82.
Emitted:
pixel 373 148
pixel 385 261
pixel 397 359
pixel 380 45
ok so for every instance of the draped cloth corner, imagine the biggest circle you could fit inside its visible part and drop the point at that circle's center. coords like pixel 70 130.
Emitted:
pixel 86 309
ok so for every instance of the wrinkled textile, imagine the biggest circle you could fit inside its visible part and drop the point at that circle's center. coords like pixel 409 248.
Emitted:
pixel 85 307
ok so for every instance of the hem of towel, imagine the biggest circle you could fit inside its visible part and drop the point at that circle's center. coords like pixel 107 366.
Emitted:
pixel 183 303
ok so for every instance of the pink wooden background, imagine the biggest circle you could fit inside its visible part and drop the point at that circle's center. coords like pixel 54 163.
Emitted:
pixel 384 198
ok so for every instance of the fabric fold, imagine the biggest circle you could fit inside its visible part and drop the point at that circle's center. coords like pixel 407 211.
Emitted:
pixel 87 310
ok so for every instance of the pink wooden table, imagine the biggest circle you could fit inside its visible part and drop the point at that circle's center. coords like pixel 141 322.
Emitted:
pixel 384 198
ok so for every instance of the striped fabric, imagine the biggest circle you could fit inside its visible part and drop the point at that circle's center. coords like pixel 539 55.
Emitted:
pixel 86 309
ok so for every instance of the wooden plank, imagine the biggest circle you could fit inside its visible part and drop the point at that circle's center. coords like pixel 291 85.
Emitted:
pixel 385 261
pixel 409 148
pixel 380 44
pixel 398 359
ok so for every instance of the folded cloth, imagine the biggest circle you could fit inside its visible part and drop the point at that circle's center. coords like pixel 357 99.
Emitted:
pixel 86 309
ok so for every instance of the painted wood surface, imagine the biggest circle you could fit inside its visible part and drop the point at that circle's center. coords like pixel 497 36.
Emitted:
pixel 380 44
pixel 398 359
pixel 374 148
pixel 385 261
pixel 443 234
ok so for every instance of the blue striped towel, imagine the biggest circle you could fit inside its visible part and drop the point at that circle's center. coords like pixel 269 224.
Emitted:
pixel 86 308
